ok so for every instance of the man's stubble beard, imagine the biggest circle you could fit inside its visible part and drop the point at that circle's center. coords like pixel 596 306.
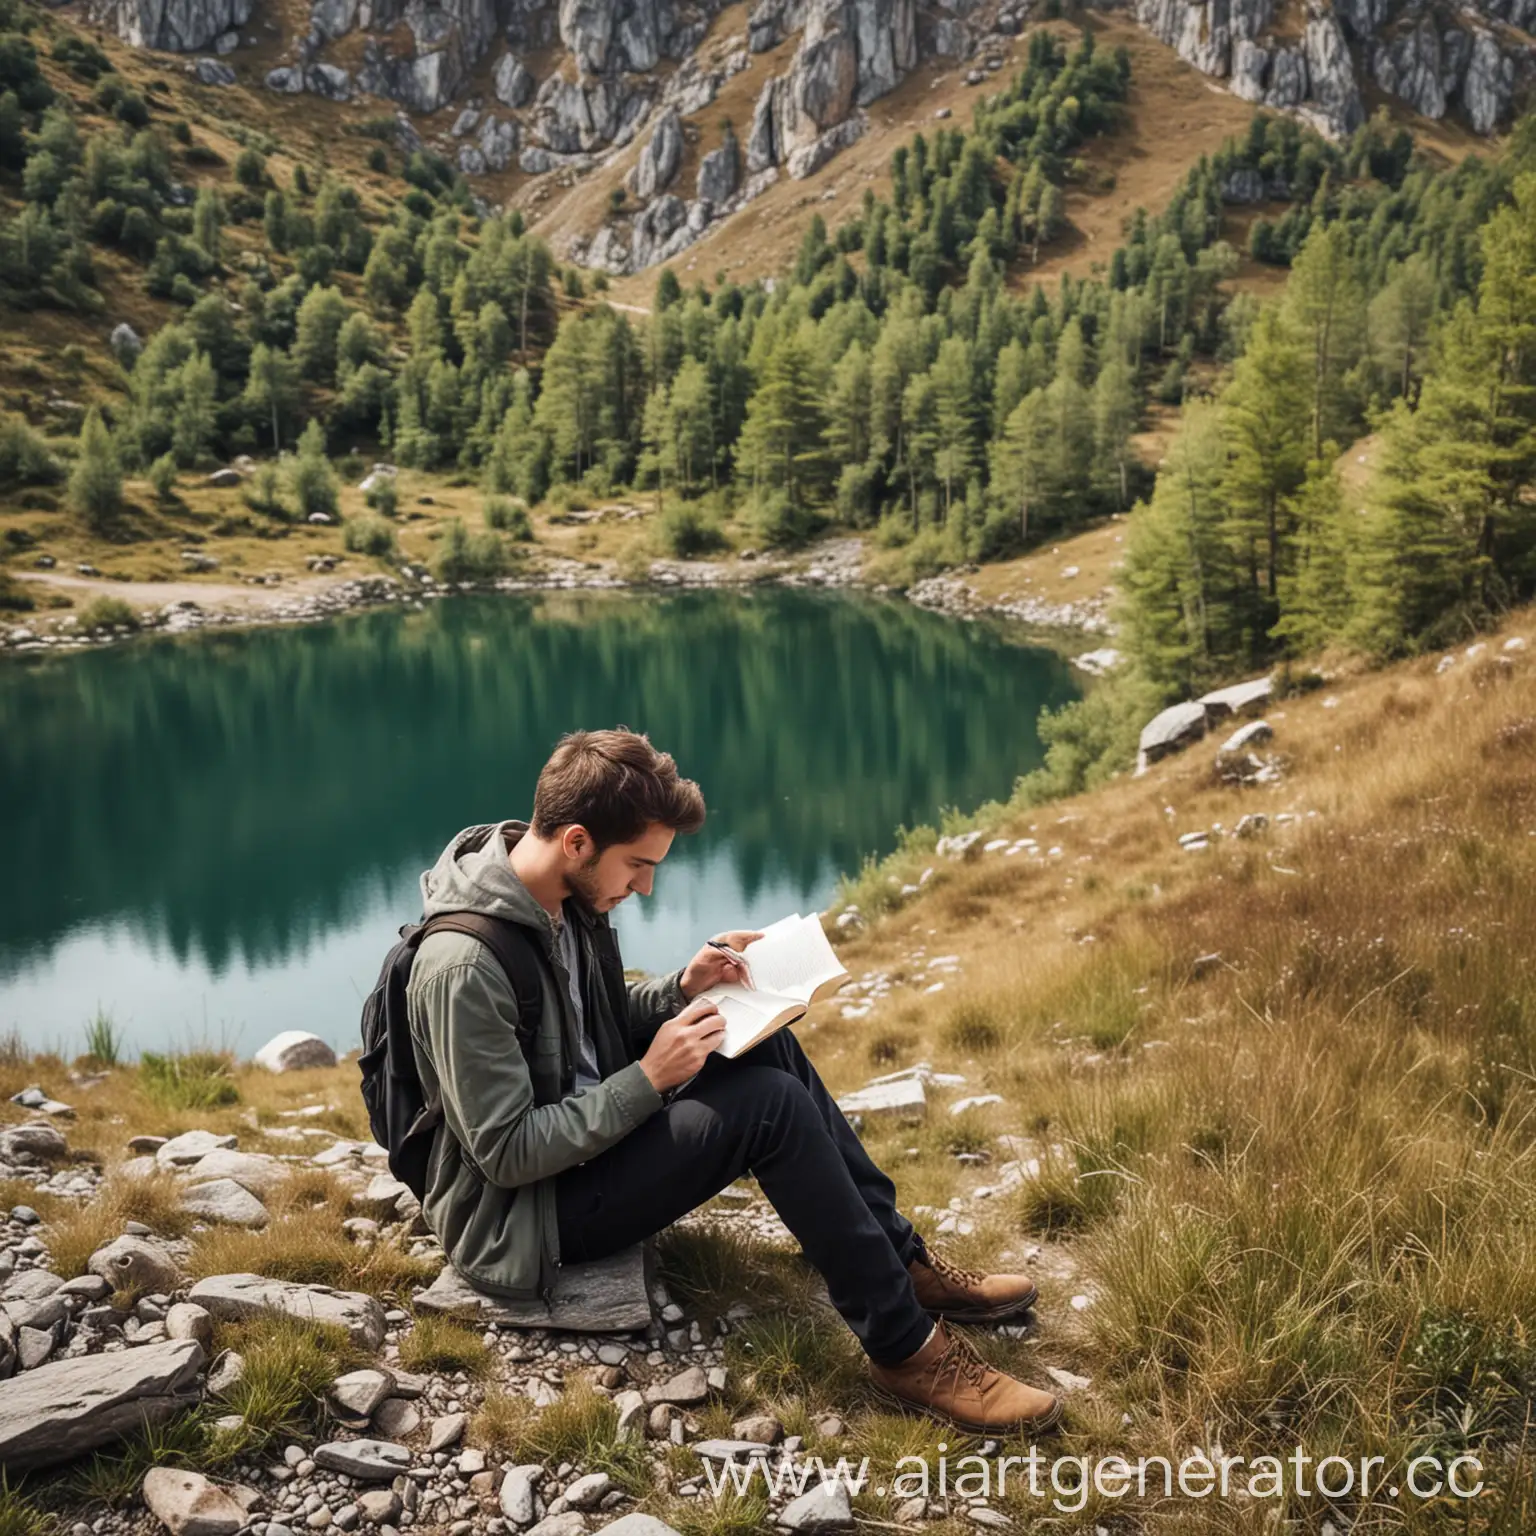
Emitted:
pixel 583 883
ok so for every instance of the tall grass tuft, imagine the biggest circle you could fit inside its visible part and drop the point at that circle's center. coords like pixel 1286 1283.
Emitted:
pixel 580 1426
pixel 193 1080
pixel 103 1041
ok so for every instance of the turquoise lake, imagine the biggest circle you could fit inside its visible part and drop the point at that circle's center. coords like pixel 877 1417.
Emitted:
pixel 214 838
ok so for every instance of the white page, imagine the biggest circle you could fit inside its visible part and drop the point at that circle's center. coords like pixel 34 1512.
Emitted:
pixel 793 957
pixel 745 1012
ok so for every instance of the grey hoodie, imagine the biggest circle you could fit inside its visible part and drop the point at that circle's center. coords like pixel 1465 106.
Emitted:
pixel 511 1122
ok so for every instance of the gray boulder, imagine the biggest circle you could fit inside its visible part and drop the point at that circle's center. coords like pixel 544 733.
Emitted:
pixel 136 1265
pixel 330 81
pixel 169 26
pixel 288 79
pixel 211 72
pixel 586 29
pixel 608 1296
pixel 226 1201
pixel 1171 731
pixel 332 18
pixel 1250 65
pixel 720 172
pixel 661 156
pixel 22 1144
pixel 513 84
pixel 68 1407
pixel 763 140
pixel 1244 185
pixel 498 142
pixel 241 1296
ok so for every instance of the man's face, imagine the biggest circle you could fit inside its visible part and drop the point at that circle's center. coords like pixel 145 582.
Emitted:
pixel 605 879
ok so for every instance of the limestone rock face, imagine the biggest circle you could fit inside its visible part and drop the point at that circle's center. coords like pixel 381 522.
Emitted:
pixel 1331 73
pixel 172 26
pixel 660 157
pixel 513 83
pixel 719 172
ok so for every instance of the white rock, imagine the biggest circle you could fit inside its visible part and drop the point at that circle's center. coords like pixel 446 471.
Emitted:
pixel 823 1508
pixel 242 1296
pixel 294 1050
pixel 224 1200
pixel 190 1147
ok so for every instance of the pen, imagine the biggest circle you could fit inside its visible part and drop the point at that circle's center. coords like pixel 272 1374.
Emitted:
pixel 740 959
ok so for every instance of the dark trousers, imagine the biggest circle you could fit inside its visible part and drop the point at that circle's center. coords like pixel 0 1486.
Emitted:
pixel 768 1114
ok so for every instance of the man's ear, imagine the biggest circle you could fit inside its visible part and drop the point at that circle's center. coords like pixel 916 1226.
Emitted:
pixel 576 842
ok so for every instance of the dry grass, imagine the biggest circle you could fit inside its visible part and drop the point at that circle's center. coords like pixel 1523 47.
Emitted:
pixel 1298 1180
pixel 581 1427
pixel 305 1242
pixel 80 1230
pixel 440 1344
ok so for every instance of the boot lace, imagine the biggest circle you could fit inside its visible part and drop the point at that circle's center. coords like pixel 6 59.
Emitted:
pixel 961 1359
pixel 965 1279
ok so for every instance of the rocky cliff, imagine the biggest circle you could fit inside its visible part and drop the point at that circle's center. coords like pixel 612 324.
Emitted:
pixel 644 70
pixel 1475 57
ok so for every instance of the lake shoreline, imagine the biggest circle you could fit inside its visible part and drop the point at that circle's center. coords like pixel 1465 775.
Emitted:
pixel 836 564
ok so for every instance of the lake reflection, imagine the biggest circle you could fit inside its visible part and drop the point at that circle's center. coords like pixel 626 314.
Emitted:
pixel 215 838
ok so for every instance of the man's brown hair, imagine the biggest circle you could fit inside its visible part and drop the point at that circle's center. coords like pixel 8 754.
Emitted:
pixel 615 784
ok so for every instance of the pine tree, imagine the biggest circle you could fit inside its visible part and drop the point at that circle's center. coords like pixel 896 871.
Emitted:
pixel 1326 305
pixel 321 317
pixel 1266 420
pixel 208 222
pixel 271 387
pixel 196 417
pixel 96 483
pixel 1400 317
pixel 1315 598
pixel 1114 420
pixel 1177 577
pixel 954 417
pixel 782 442
pixel 1021 459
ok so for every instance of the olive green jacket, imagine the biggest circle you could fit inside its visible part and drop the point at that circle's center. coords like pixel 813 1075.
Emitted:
pixel 511 1118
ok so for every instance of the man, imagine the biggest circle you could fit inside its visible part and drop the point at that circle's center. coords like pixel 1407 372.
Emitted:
pixel 595 1125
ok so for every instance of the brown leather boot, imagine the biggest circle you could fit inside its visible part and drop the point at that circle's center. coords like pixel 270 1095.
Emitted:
pixel 965 1296
pixel 947 1380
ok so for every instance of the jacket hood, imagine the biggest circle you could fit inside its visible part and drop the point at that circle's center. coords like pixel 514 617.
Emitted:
pixel 473 874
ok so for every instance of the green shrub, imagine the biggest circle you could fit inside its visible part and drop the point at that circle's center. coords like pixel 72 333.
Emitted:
pixel 264 493
pixel 368 535
pixel 251 169
pixel 508 516
pixel 107 613
pixel 383 496
pixel 162 476
pixel 309 474
pixel 83 60
pixel 782 523
pixel 467 556
pixel 687 530
pixel 25 458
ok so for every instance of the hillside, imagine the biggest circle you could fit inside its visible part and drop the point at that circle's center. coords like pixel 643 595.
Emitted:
pixel 1258 1113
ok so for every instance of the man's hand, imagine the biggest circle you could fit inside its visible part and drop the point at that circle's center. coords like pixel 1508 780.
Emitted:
pixel 712 967
pixel 680 1046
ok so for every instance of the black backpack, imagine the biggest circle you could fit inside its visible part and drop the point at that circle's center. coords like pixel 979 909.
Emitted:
pixel 403 1121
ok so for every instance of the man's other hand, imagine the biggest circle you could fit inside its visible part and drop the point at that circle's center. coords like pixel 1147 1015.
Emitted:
pixel 681 1045
pixel 713 967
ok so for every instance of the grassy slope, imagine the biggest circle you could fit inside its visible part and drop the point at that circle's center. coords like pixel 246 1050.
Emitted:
pixel 1295 1178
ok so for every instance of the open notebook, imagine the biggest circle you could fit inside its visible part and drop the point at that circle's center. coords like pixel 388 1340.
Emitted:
pixel 792 966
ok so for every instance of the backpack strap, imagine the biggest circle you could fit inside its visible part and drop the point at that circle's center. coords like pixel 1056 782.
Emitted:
pixel 515 950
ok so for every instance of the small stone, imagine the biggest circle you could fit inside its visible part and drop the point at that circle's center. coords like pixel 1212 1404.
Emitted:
pixel 762 1429
pixel 570 1523
pixel 25 1215
pixel 586 1491
pixel 225 1374
pixel 181 1151
pixel 356 1395
pixel 396 1418
pixel 446 1430
pixel 686 1389
pixel 823 1508
pixel 517 1500
pixel 188 1321
pixel 187 1504
pixel 33 1346
pixel 993 1519
pixel 830 1427
pixel 371 1461
pixel 379 1506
